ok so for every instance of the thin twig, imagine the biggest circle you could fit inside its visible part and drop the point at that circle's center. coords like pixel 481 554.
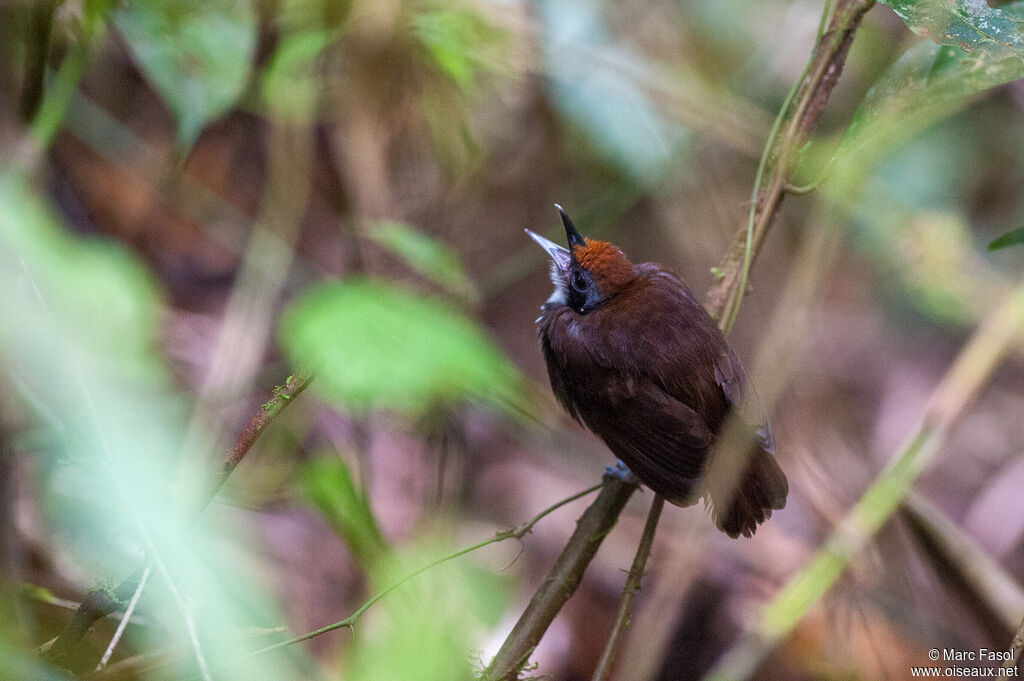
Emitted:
pixel 268 411
pixel 123 624
pixel 629 592
pixel 797 118
pixel 959 388
pixel 988 590
pixel 517 532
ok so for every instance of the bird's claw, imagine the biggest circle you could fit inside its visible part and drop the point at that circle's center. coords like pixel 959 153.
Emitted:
pixel 620 471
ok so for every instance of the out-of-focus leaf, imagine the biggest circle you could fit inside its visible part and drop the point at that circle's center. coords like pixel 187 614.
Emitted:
pixel 430 627
pixel 196 55
pixel 377 346
pixel 77 347
pixel 461 43
pixel 926 84
pixel 1009 239
pixel 90 286
pixel 426 255
pixel 971 25
pixel 591 78
pixel 327 482
pixel 291 84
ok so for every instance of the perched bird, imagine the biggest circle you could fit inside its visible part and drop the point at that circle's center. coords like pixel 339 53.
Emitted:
pixel 635 358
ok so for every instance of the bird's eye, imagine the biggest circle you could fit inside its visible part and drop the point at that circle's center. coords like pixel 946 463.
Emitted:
pixel 579 282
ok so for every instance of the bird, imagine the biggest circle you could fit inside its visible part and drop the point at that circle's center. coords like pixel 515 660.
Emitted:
pixel 634 357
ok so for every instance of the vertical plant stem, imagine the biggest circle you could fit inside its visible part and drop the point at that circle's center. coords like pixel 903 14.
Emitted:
pixel 795 121
pixel 629 592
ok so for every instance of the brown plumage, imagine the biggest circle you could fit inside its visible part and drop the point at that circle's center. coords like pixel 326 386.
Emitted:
pixel 633 356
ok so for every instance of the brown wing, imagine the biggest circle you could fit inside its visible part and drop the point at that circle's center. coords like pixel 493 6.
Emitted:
pixel 661 439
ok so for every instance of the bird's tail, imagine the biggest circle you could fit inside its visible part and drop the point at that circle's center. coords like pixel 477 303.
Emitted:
pixel 741 500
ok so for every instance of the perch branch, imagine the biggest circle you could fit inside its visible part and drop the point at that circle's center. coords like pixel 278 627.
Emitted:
pixel 562 580
pixel 629 592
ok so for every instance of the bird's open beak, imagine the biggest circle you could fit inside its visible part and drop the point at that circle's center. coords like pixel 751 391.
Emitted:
pixel 571 233
pixel 559 255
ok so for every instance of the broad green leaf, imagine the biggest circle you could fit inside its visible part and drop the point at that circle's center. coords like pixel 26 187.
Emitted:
pixel 196 55
pixel 1009 239
pixel 426 255
pixel 291 84
pixel 968 24
pixel 378 346
pixel 327 482
pixel 928 83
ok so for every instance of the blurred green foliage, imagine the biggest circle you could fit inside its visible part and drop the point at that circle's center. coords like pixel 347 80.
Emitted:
pixel 1009 239
pixel 78 342
pixel 375 345
pixel 594 84
pixel 291 84
pixel 327 482
pixel 428 629
pixel 461 42
pixel 426 255
pixel 197 55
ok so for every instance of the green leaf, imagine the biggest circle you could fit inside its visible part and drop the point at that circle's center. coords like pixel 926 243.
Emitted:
pixel 461 42
pixel 327 482
pixel 968 24
pixel 1009 239
pixel 378 346
pixel 291 84
pixel 196 55
pixel 426 255
pixel 928 83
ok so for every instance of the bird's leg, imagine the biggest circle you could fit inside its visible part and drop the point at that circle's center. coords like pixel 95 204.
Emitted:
pixel 620 471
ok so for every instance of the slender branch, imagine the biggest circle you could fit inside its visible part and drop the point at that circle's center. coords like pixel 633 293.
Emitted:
pixel 802 109
pixel 796 120
pixel 99 603
pixel 956 393
pixel 123 624
pixel 629 592
pixel 283 396
pixel 517 532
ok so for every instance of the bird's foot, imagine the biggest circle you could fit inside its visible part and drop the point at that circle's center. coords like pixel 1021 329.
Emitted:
pixel 620 471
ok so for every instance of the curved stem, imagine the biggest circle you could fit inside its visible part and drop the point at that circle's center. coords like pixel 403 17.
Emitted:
pixel 517 532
